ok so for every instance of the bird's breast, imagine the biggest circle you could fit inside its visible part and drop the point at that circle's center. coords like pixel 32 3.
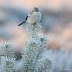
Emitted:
pixel 34 18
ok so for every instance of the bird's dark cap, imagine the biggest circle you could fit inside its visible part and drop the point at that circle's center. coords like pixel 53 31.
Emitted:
pixel 35 9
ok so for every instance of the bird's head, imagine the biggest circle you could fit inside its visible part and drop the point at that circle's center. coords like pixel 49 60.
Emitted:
pixel 35 9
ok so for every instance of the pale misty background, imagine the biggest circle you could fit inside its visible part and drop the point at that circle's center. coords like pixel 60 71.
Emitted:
pixel 56 22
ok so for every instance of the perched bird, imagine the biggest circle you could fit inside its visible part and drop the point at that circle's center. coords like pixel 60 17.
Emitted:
pixel 33 18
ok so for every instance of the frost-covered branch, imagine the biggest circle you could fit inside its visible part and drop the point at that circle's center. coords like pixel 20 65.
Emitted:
pixel 7 57
pixel 35 46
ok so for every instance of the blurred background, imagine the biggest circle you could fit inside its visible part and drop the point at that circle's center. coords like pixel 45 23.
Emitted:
pixel 56 22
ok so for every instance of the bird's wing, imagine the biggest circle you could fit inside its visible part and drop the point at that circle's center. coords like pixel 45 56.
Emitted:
pixel 26 18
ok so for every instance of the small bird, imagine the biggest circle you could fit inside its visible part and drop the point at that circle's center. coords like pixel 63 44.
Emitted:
pixel 33 18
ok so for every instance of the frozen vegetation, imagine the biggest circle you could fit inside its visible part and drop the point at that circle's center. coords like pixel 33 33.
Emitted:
pixel 33 55
pixel 7 57
pixel 62 60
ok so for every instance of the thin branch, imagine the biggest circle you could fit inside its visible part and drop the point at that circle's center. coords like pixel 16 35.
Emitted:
pixel 44 68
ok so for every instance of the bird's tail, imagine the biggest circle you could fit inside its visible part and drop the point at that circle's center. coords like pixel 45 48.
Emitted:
pixel 21 23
